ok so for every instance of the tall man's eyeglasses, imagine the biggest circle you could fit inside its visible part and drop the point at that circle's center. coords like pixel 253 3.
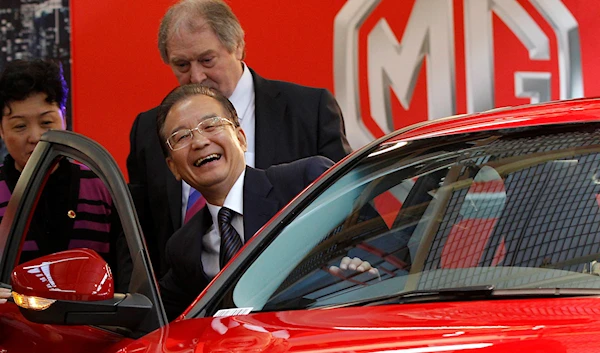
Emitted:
pixel 208 127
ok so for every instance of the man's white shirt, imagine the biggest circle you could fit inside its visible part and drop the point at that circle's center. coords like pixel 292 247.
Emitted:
pixel 243 100
pixel 211 240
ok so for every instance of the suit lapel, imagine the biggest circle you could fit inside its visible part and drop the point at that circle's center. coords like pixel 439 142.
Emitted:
pixel 196 228
pixel 258 208
pixel 269 112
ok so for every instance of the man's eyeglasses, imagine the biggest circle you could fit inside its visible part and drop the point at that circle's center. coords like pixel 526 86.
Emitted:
pixel 208 127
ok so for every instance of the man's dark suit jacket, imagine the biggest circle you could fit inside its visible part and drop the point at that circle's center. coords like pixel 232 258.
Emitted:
pixel 265 193
pixel 292 122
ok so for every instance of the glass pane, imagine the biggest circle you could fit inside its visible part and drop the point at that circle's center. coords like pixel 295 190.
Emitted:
pixel 516 210
pixel 74 210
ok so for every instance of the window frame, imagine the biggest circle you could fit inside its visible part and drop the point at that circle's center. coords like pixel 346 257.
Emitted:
pixel 61 143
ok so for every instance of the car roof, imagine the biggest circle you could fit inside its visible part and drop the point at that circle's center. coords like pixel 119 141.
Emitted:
pixel 559 112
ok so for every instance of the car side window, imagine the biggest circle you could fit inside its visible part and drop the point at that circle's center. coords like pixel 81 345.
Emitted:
pixel 74 209
pixel 501 213
pixel 369 214
pixel 95 208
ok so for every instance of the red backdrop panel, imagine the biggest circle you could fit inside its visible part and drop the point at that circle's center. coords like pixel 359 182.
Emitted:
pixel 117 71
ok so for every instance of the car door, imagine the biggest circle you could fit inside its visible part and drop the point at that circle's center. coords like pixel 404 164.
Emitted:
pixel 20 335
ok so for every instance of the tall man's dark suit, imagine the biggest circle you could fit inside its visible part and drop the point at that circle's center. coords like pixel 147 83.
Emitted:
pixel 265 193
pixel 292 122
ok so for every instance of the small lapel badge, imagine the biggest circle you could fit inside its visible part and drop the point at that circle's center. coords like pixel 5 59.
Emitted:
pixel 71 214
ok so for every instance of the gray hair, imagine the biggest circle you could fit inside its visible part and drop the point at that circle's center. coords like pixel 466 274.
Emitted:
pixel 216 13
pixel 181 93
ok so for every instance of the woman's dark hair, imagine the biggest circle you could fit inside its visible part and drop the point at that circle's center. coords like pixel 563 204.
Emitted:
pixel 22 78
pixel 182 92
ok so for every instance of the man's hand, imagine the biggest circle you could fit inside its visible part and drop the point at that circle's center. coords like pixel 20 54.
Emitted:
pixel 355 264
pixel 4 295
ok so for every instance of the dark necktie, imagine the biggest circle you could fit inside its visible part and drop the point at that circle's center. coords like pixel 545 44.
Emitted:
pixel 231 242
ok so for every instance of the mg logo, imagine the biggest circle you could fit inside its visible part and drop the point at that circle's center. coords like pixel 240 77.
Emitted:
pixel 376 74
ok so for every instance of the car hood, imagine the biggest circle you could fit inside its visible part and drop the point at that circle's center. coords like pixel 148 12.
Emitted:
pixel 533 325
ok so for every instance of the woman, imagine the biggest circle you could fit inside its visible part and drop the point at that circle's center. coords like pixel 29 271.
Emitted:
pixel 75 209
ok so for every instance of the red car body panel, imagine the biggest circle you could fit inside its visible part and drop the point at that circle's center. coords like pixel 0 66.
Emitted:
pixel 17 334
pixel 536 325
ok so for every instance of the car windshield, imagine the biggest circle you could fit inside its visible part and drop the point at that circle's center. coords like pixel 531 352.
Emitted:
pixel 513 208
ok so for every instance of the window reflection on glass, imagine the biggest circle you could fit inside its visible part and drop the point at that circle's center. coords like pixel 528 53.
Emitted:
pixel 516 210
pixel 74 210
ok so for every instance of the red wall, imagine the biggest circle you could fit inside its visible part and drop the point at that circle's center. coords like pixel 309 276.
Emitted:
pixel 117 71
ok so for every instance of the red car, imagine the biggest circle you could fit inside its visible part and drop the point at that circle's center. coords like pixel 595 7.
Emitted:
pixel 484 229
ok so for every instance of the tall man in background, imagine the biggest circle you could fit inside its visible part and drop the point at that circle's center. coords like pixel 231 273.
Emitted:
pixel 203 42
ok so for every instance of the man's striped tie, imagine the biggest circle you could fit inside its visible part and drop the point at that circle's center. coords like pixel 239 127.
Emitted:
pixel 231 242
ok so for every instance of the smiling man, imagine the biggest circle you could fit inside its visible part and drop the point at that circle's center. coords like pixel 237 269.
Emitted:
pixel 216 159
pixel 204 145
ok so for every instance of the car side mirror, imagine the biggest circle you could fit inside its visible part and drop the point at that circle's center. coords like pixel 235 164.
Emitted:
pixel 74 287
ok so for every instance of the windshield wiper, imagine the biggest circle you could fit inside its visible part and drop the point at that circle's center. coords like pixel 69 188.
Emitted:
pixel 458 293
pixel 442 294
pixel 487 292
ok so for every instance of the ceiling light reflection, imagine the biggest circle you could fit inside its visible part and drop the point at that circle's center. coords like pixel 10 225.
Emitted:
pixel 456 347
pixel 389 148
